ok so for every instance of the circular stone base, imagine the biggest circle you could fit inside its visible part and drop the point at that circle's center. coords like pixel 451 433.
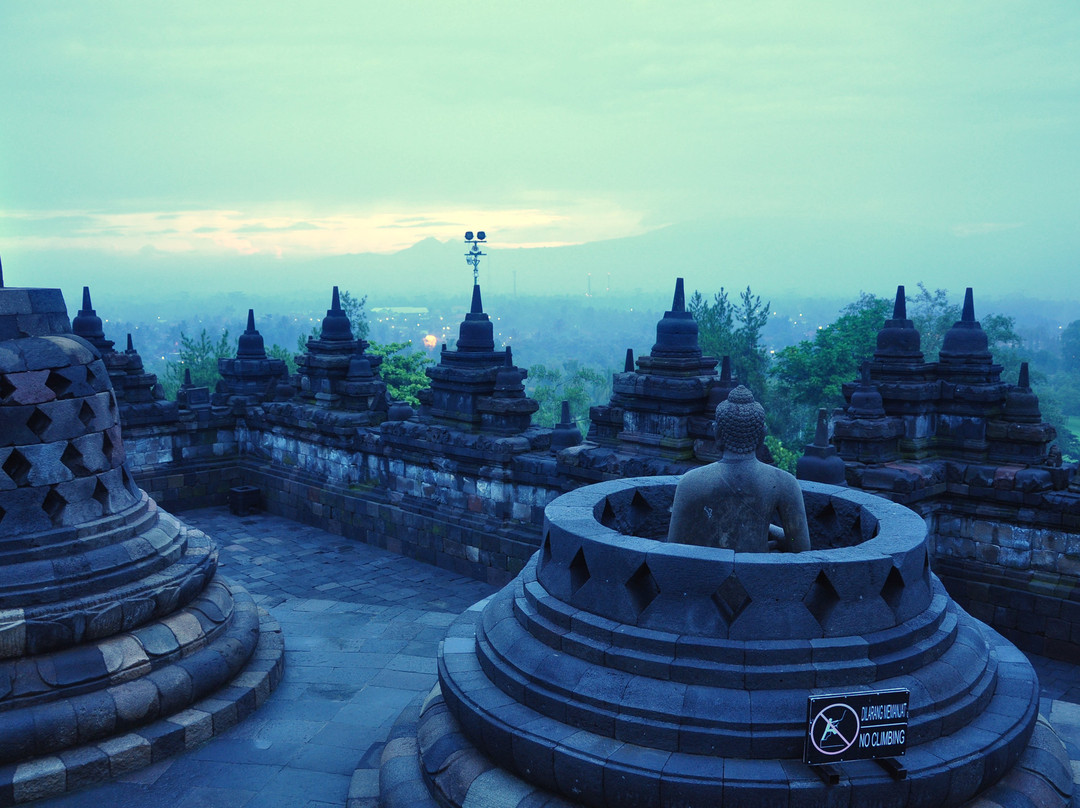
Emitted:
pixel 102 760
pixel 427 753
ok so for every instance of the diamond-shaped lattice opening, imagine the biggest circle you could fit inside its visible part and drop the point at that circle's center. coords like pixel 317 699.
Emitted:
pixel 821 598
pixel 101 496
pixel 6 387
pixel 106 446
pixel 86 414
pixel 642 588
pixel 57 383
pixel 545 552
pixel 608 518
pixel 827 518
pixel 129 482
pixel 73 459
pixel 579 571
pixel 639 508
pixel 53 506
pixel 2 512
pixel 17 467
pixel 893 588
pixel 731 599
pixel 38 422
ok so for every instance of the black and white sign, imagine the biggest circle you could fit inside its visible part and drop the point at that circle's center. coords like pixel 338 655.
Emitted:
pixel 856 726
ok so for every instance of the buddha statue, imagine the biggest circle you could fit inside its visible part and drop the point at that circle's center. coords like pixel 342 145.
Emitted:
pixel 734 502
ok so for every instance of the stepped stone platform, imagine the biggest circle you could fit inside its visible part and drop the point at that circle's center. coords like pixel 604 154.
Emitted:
pixel 620 670
pixel 114 627
pixel 363 627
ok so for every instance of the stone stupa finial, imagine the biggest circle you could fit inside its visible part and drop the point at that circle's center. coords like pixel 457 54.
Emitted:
pixel 87 324
pixel 335 325
pixel 677 332
pixel 820 463
pixel 566 432
pixel 968 314
pixel 251 345
pixel 476 333
pixel 628 366
pixel 1021 404
pixel 866 401
pixel 899 311
pixel 678 302
pixel 898 340
pixel 965 341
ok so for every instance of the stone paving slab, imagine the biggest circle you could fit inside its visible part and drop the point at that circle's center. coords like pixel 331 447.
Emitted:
pixel 362 628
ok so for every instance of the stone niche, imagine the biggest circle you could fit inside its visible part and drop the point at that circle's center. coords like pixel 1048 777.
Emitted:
pixel 618 670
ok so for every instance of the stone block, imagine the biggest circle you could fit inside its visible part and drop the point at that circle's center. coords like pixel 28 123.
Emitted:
pixel 126 753
pixel 39 778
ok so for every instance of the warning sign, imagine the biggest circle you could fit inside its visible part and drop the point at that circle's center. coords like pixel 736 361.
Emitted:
pixel 856 726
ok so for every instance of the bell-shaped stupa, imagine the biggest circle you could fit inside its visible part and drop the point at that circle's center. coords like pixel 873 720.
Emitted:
pixel 114 626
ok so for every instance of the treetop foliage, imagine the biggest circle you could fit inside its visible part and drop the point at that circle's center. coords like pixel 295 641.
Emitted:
pixel 200 356
pixel 580 385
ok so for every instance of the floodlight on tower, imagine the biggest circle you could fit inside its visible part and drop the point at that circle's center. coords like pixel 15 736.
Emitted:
pixel 473 256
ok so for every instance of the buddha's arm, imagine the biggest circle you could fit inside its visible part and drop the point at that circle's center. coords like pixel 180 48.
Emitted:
pixel 793 516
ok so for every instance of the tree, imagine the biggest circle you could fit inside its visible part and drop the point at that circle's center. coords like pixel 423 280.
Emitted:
pixel 402 369
pixel 725 329
pixel 199 356
pixel 933 315
pixel 1070 346
pixel 582 386
pixel 275 351
pixel 812 373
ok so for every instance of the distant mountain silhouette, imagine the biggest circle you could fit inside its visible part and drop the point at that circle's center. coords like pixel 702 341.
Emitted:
pixel 810 259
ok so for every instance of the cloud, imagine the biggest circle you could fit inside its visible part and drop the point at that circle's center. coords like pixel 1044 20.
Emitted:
pixel 418 222
pixel 545 221
pixel 263 228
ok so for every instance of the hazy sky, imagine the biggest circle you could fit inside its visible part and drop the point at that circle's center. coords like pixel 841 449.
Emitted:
pixel 295 130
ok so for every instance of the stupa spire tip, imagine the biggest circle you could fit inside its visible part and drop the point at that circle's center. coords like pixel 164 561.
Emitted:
pixel 900 306
pixel 969 307
pixel 678 302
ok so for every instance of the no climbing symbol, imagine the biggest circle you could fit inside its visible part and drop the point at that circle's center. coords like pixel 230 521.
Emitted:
pixel 834 729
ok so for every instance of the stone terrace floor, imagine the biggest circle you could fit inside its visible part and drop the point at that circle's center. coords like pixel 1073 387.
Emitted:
pixel 362 627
